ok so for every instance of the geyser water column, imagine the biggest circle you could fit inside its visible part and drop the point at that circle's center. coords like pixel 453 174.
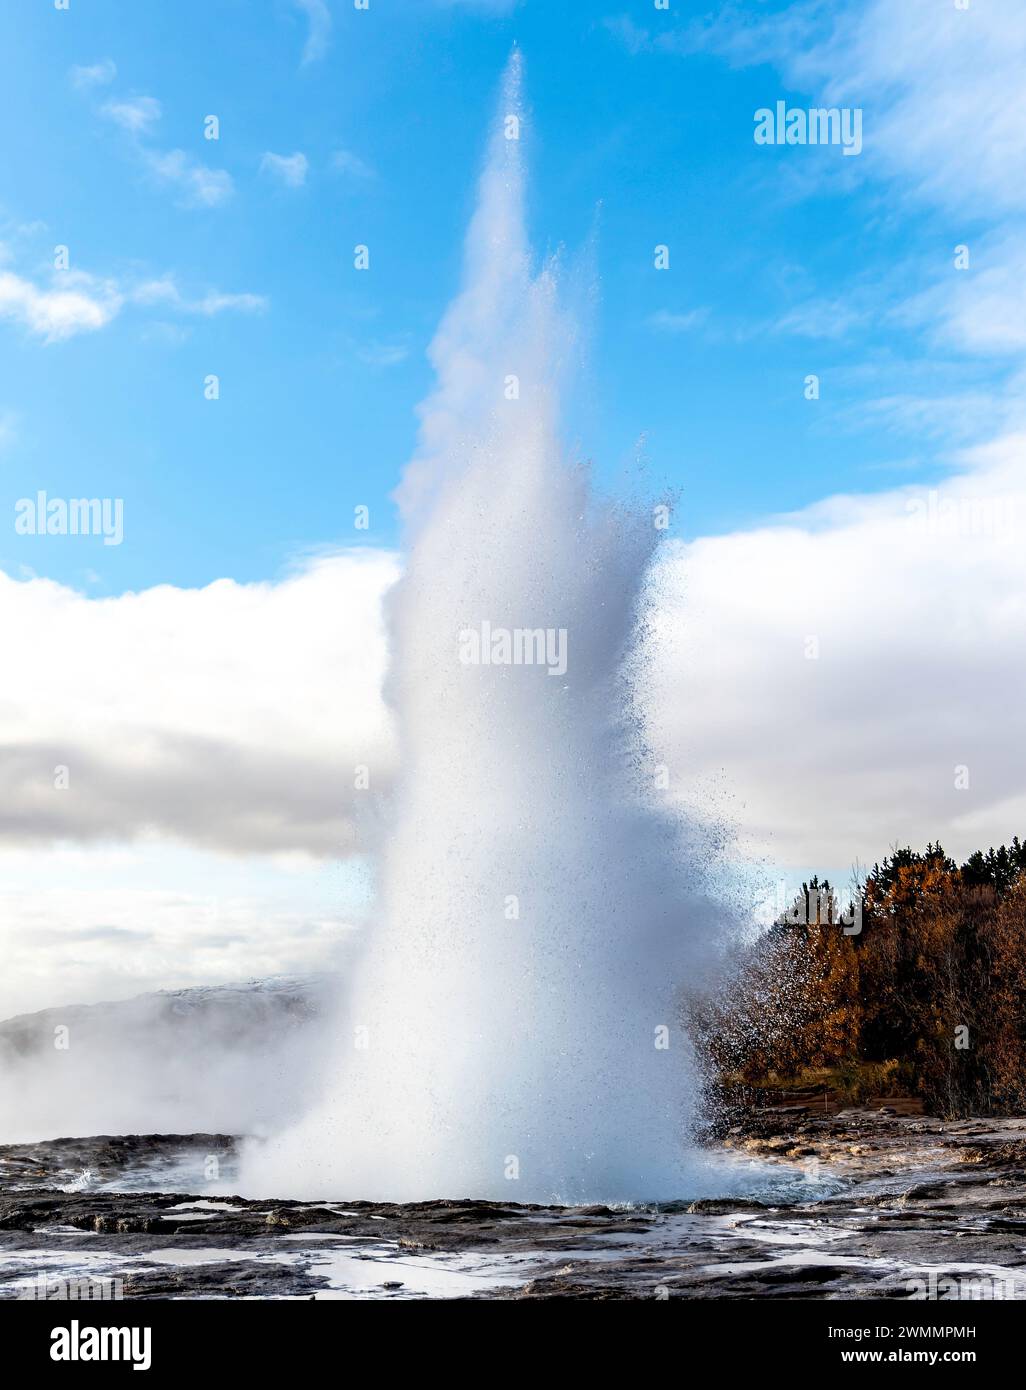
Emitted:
pixel 512 1027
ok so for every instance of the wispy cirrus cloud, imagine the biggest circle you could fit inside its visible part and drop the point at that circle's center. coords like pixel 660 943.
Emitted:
pixel 165 291
pixel 318 34
pixel 633 36
pixel 954 415
pixel 669 321
pixel 196 183
pixel 980 309
pixel 379 354
pixel 345 162
pixel 199 185
pixel 85 77
pixel 826 317
pixel 134 114
pixel 926 73
pixel 941 88
pixel 288 169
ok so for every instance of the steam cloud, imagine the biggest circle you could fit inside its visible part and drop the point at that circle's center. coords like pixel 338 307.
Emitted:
pixel 537 910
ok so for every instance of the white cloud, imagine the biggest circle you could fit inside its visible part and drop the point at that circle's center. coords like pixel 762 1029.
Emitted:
pixel 77 303
pixel 230 717
pixel 200 186
pixel 85 917
pixel 78 925
pixel 165 291
pixel 291 169
pixel 240 712
pixel 345 162
pixel 230 721
pixel 237 716
pixel 319 29
pixel 134 114
pixel 915 599
pixel 83 78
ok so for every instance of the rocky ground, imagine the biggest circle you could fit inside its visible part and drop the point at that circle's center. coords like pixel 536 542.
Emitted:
pixel 876 1202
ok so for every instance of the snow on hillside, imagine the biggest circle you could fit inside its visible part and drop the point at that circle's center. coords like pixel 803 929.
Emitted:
pixel 217 1059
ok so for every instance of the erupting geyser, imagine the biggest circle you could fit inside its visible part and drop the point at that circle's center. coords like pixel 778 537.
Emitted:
pixel 512 1029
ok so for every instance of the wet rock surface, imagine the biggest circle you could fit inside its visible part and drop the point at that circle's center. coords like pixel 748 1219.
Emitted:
pixel 866 1203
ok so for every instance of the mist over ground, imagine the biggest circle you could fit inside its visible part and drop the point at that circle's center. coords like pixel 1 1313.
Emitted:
pixel 234 1059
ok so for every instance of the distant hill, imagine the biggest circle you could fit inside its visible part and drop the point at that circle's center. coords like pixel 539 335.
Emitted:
pixel 224 1058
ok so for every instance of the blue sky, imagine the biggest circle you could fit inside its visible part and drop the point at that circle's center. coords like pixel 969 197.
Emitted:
pixel 212 681
pixel 697 370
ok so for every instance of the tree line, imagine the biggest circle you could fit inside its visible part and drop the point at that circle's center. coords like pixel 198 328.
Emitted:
pixel 918 985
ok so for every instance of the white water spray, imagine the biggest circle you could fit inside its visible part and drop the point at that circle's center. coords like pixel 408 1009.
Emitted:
pixel 512 1030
